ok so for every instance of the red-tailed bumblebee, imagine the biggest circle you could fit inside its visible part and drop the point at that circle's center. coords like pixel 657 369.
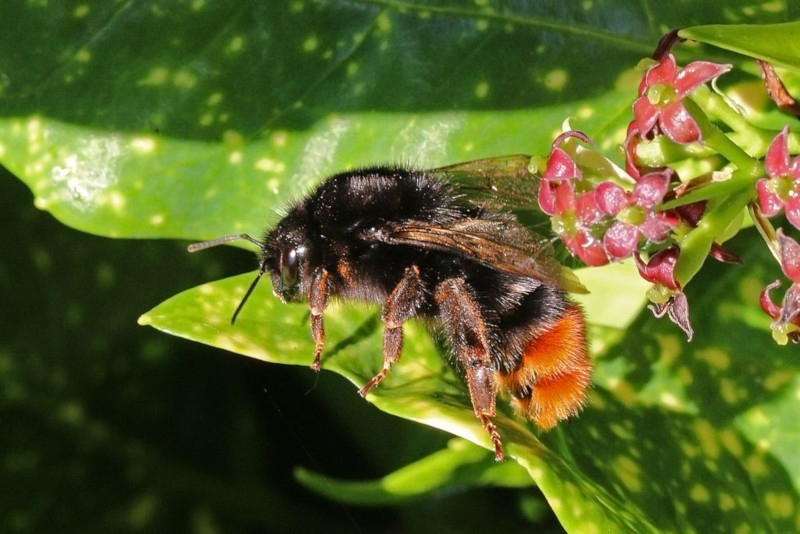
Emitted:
pixel 441 245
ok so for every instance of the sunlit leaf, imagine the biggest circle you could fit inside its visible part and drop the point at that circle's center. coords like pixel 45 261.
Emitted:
pixel 776 43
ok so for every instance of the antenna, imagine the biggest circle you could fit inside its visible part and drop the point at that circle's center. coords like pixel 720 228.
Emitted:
pixel 194 247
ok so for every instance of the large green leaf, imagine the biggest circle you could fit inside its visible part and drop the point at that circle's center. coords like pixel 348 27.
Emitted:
pixel 670 437
pixel 170 120
pixel 776 43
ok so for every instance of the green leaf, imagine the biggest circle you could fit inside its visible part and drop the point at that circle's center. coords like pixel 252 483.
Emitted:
pixel 194 121
pixel 142 185
pixel 775 43
pixel 670 436
pixel 461 465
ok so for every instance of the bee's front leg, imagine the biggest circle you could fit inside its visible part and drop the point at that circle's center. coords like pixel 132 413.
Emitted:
pixel 318 299
pixel 469 339
pixel 401 305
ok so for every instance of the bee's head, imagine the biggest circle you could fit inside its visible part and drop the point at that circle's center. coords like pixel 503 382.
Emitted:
pixel 286 254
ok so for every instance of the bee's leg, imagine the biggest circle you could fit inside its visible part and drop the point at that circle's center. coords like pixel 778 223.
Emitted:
pixel 402 304
pixel 318 300
pixel 469 339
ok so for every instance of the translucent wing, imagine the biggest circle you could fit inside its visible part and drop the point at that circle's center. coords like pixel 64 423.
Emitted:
pixel 501 183
pixel 502 244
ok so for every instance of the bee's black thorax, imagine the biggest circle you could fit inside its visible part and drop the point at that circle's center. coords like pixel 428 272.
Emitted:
pixel 337 219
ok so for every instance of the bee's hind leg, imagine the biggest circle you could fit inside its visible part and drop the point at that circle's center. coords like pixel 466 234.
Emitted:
pixel 469 340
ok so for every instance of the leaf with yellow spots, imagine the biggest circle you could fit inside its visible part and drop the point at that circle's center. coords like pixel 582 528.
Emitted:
pixel 200 119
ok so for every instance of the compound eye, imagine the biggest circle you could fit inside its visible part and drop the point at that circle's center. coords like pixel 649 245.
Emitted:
pixel 289 266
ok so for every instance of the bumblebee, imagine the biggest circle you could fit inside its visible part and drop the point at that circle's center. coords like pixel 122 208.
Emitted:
pixel 443 246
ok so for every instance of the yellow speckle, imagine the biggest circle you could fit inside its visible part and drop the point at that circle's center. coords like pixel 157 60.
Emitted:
pixel 670 400
pixel 235 45
pixel 481 90
pixel 41 203
pixel 758 417
pixel 270 165
pixel 585 113
pixel 232 138
pixel 732 443
pixel 669 348
pixel 689 450
pixel 755 465
pixel 708 438
pixel 726 502
pixel 731 392
pixel 2 150
pixel 384 23
pixel 699 493
pixel 556 79
pixel 206 119
pixel 279 138
pixel 777 380
pixel 214 99
pixel 780 504
pixel 481 25
pixel 143 145
pixel 184 79
pixel 83 55
pixel 116 200
pixel 685 375
pixel 81 11
pixel 198 5
pixel 157 219
pixel 620 431
pixel 310 44
pixel 469 147
pixel 234 158
pixel 352 68
pixel 156 76
pixel 716 358
pixel 774 7
pixel 587 5
pixel 624 391
pixel 628 472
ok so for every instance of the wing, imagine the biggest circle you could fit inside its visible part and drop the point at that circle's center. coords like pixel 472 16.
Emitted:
pixel 502 244
pixel 501 183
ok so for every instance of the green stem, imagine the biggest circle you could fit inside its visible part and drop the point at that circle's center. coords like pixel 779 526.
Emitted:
pixel 696 245
pixel 756 140
pixel 718 141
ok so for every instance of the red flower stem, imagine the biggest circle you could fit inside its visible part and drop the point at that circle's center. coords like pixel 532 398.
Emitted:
pixel 696 245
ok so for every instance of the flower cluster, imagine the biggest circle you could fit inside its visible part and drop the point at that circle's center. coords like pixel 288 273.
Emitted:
pixel 669 224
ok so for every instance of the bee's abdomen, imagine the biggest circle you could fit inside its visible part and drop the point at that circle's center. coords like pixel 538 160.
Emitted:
pixel 549 383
